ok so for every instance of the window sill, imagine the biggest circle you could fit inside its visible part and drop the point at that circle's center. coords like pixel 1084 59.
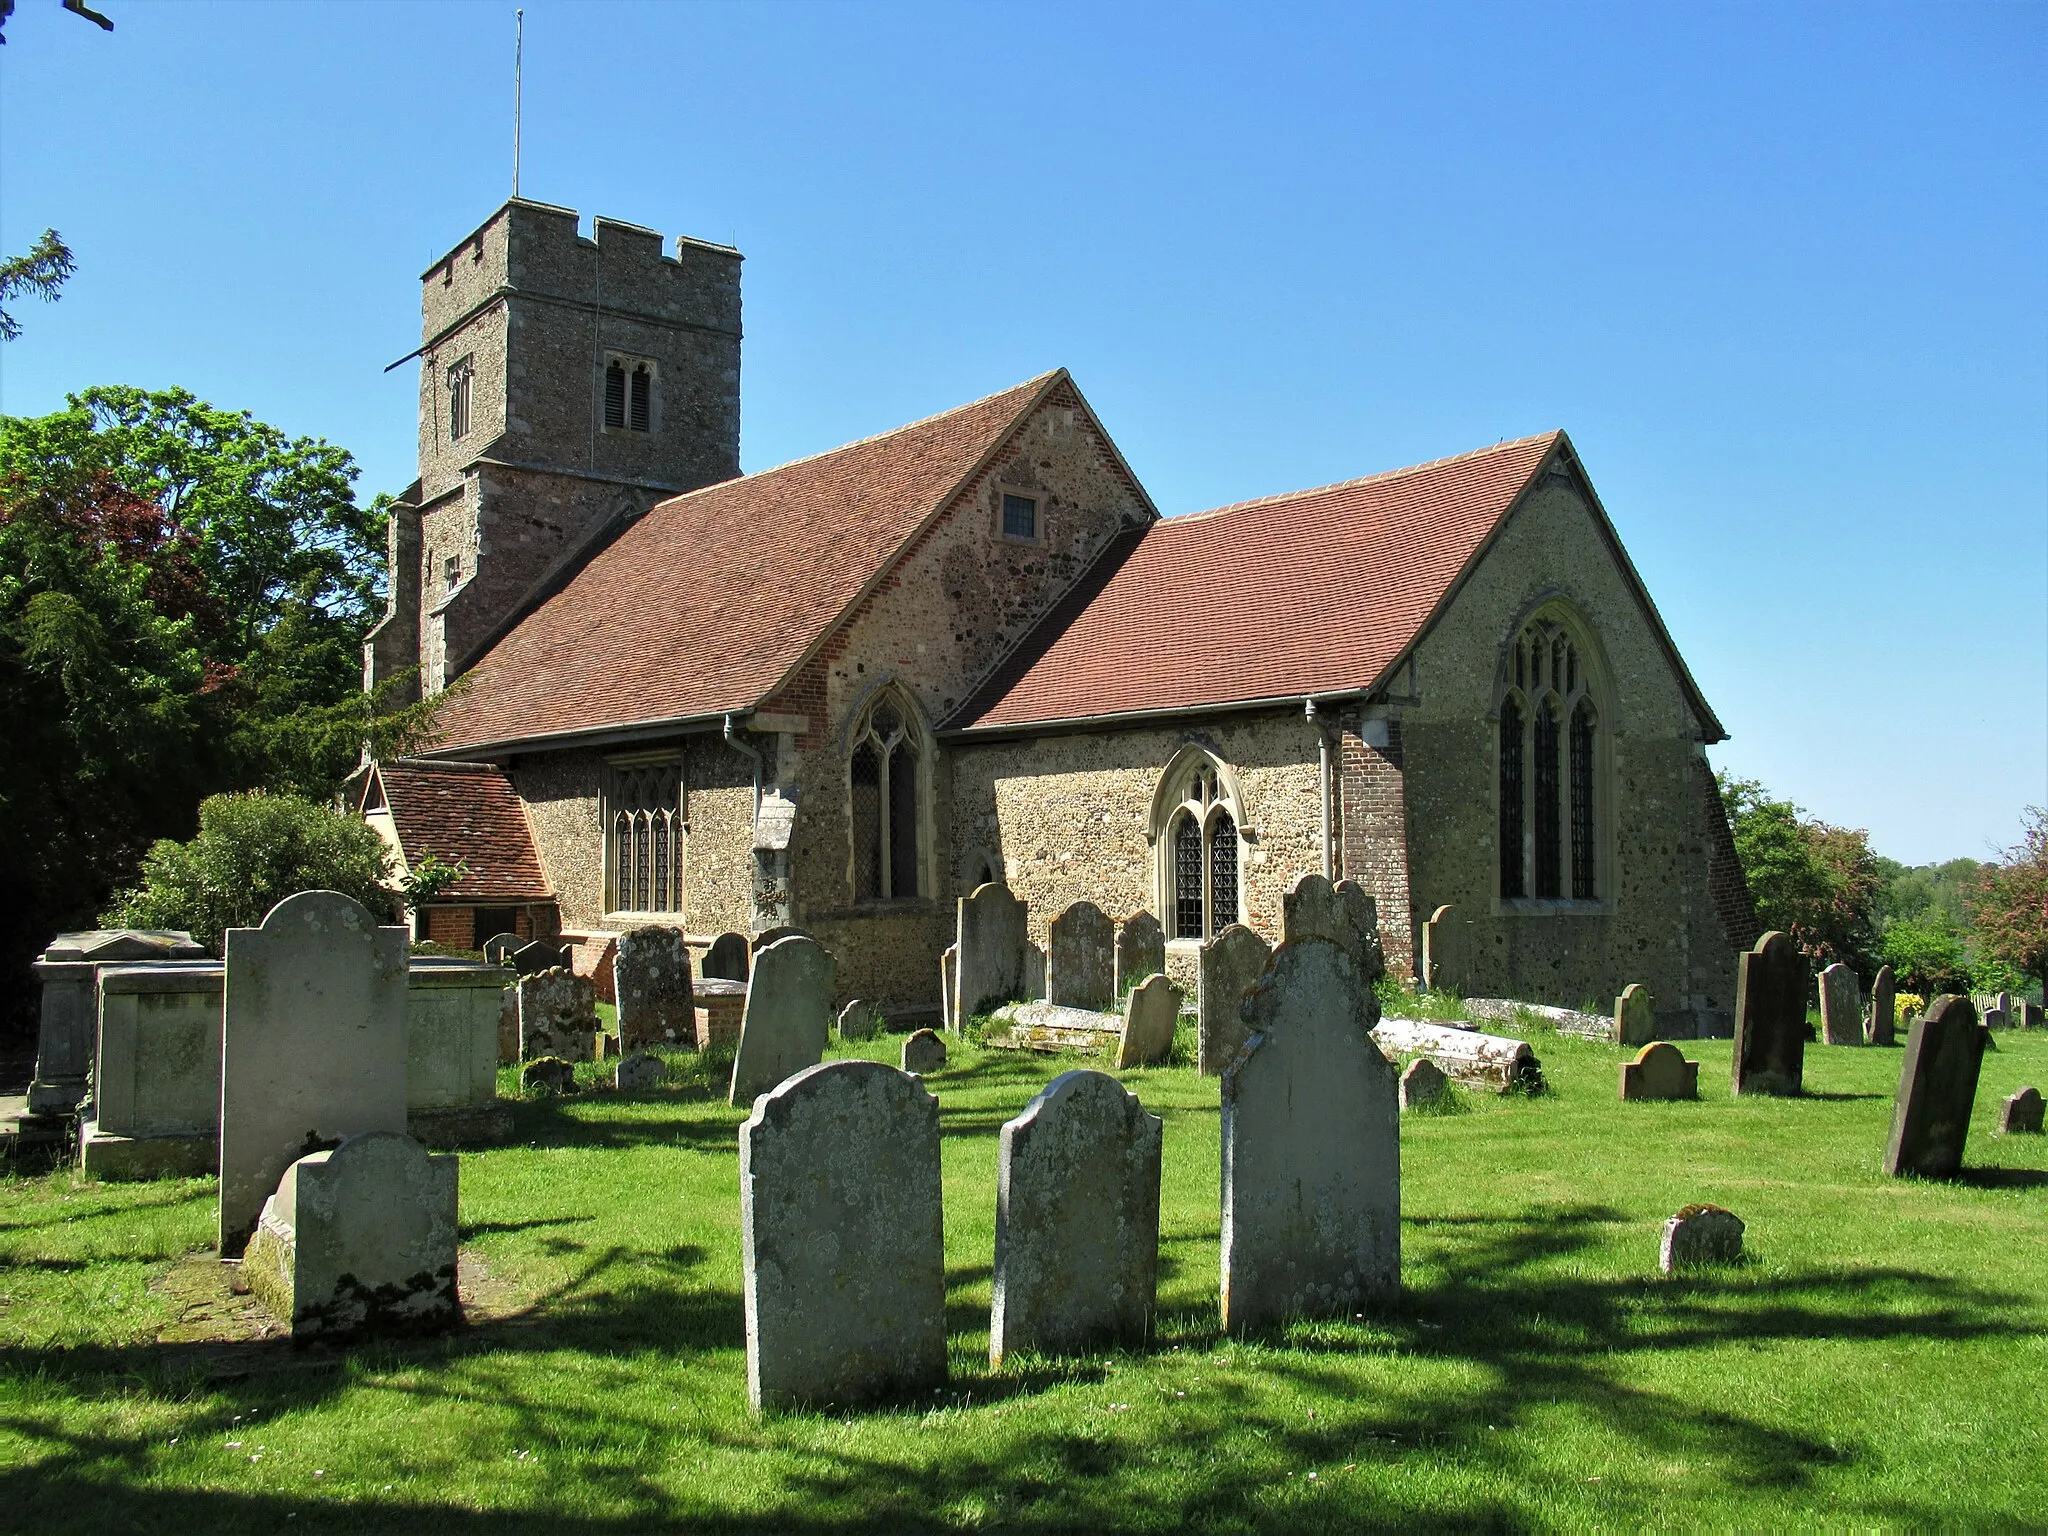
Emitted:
pixel 615 920
pixel 1537 906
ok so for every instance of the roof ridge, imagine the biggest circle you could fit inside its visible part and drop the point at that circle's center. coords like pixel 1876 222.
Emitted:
pixel 1372 479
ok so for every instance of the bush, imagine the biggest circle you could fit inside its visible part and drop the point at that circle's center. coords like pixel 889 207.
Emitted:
pixel 251 852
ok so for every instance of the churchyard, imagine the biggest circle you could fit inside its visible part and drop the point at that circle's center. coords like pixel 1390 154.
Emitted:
pixel 1875 1358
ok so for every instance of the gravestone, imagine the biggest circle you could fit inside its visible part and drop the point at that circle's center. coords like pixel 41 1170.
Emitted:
pixel 537 955
pixel 727 958
pixel 453 1018
pixel 312 1044
pixel 508 1026
pixel 1140 950
pixel 989 968
pixel 1364 913
pixel 2030 1016
pixel 1311 1149
pixel 845 1265
pixel 1034 973
pixel 2003 1003
pixel 1422 1084
pixel 2020 1115
pixel 1700 1234
pixel 859 1021
pixel 924 1051
pixel 549 1074
pixel 1660 1071
pixel 1937 1088
pixel 638 1071
pixel 1770 1017
pixel 1443 951
pixel 360 1237
pixel 1150 1014
pixel 1635 1015
pixel 1841 1006
pixel 651 978
pixel 156 1078
pixel 1884 1003
pixel 499 948
pixel 949 985
pixel 775 935
pixel 1077 1221
pixel 1994 1018
pixel 69 1027
pixel 1345 915
pixel 1080 959
pixel 788 1018
pixel 1226 968
pixel 557 1015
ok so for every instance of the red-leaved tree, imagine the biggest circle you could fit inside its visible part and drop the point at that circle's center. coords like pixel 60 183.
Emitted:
pixel 2009 907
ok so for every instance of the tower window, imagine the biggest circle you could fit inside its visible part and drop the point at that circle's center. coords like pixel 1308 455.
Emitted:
pixel 628 393
pixel 459 376
pixel 1020 516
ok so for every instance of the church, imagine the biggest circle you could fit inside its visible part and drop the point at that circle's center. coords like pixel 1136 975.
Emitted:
pixel 841 693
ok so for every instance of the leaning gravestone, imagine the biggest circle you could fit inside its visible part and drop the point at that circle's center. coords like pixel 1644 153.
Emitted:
pixel 1635 1015
pixel 2020 1115
pixel 990 965
pixel 1311 1149
pixel 788 1018
pixel 651 978
pixel 312 1044
pixel 727 958
pixel 1878 1025
pixel 1660 1071
pixel 1937 1088
pixel 924 1051
pixel 557 1015
pixel 1226 968
pixel 359 1237
pixel 859 1021
pixel 638 1071
pixel 1080 959
pixel 1770 1017
pixel 1701 1234
pixel 1422 1084
pixel 1140 950
pixel 845 1265
pixel 1150 1014
pixel 1841 1006
pixel 1077 1221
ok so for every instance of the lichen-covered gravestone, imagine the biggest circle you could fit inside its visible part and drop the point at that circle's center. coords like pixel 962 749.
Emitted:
pixel 1770 1017
pixel 651 977
pixel 1077 1220
pixel 924 1051
pixel 1311 1149
pixel 549 1074
pixel 1937 1088
pixel 1080 959
pixel 638 1071
pixel 1226 968
pixel 727 957
pixel 312 1044
pixel 1878 1023
pixel 2020 1115
pixel 859 1021
pixel 1635 1015
pixel 1345 915
pixel 1443 951
pixel 990 965
pixel 844 1253
pixel 788 1019
pixel 557 1015
pixel 1149 1019
pixel 358 1238
pixel 1140 950
pixel 1422 1084
pixel 1660 1071
pixel 1700 1234
pixel 1841 1006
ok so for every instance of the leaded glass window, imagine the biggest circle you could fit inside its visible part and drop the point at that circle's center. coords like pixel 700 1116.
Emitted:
pixel 1584 883
pixel 643 804
pixel 1222 870
pixel 885 775
pixel 1544 801
pixel 1511 745
pixel 1199 869
pixel 1549 767
pixel 1187 878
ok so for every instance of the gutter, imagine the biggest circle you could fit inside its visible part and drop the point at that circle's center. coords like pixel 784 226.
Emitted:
pixel 1308 710
pixel 973 733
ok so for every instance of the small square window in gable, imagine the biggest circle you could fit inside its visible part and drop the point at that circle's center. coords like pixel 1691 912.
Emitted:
pixel 1019 517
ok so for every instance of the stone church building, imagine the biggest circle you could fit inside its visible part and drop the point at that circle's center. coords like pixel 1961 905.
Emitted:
pixel 842 692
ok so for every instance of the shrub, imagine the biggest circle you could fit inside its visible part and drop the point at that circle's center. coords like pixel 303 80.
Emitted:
pixel 250 853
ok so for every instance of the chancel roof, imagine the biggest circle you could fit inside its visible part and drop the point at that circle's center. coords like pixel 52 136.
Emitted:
pixel 462 813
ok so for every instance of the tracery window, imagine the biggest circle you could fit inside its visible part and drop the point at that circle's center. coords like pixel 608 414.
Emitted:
pixel 628 394
pixel 644 834
pixel 886 777
pixel 460 375
pixel 1199 840
pixel 1548 755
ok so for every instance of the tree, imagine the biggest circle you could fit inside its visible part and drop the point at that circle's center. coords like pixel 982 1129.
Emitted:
pixel 1928 954
pixel 41 272
pixel 1817 882
pixel 2009 903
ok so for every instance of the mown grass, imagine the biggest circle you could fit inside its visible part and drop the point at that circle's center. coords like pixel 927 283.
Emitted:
pixel 1880 1360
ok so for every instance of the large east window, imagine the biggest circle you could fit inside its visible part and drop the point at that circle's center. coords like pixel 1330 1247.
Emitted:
pixel 1197 831
pixel 644 834
pixel 1548 756
pixel 888 770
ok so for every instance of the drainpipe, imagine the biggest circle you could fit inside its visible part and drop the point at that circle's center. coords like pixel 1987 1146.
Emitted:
pixel 1308 710
pixel 737 745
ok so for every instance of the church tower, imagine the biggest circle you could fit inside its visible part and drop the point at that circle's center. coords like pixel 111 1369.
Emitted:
pixel 567 384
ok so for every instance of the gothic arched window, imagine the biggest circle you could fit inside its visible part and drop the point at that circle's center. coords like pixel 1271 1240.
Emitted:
pixel 1195 826
pixel 887 773
pixel 644 834
pixel 1548 755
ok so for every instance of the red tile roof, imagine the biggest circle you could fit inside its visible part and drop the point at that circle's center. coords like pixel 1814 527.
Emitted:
pixel 704 605
pixel 1313 592
pixel 465 813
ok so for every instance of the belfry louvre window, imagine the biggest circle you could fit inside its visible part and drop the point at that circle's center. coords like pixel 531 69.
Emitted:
pixel 1549 768
pixel 644 835
pixel 885 775
pixel 1200 839
pixel 629 394
pixel 459 378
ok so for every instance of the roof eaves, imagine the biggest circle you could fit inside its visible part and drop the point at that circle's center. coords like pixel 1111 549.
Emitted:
pixel 600 736
pixel 1140 716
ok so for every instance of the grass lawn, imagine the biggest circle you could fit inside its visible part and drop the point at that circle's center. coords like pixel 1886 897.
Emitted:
pixel 1881 1360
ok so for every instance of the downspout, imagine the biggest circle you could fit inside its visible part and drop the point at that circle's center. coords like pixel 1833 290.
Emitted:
pixel 737 745
pixel 1308 710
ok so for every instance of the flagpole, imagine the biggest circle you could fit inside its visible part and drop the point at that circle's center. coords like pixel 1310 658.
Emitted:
pixel 518 71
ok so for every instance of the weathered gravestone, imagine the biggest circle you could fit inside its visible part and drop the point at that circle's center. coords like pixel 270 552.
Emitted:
pixel 775 935
pixel 859 1021
pixel 548 1074
pixel 1150 1014
pixel 2003 1003
pixel 1080 960
pixel 1770 1017
pixel 1700 1234
pixel 537 955
pixel 2020 1115
pixel 2030 1016
pixel 949 985
pixel 557 1015
pixel 1345 915
pixel 845 1266
pixel 1841 1006
pixel 990 965
pixel 69 1027
pixel 788 1018
pixel 1660 1071
pixel 360 1237
pixel 312 1044
pixel 499 947
pixel 1635 1015
pixel 1937 1088
pixel 1443 951
pixel 1884 1003
pixel 651 978
pixel 727 958
pixel 156 1073
pixel 1226 968
pixel 1034 973
pixel 924 1051
pixel 453 1021
pixel 1311 1149
pixel 1994 1018
pixel 1077 1220
pixel 638 1071
pixel 1422 1084
pixel 1140 950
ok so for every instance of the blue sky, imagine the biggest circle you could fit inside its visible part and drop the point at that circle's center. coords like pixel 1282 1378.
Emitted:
pixel 1778 269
